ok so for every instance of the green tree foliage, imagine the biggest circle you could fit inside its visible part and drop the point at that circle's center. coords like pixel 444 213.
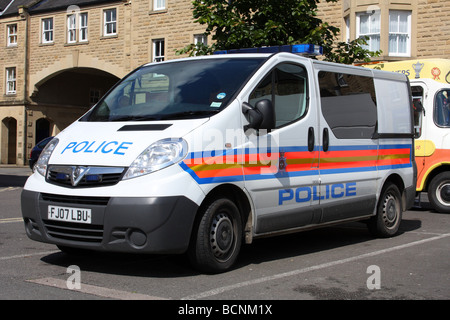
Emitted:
pixel 257 23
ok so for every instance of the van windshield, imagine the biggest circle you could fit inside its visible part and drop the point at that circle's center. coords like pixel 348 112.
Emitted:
pixel 175 90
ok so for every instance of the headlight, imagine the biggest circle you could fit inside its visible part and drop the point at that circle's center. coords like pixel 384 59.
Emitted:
pixel 157 156
pixel 41 164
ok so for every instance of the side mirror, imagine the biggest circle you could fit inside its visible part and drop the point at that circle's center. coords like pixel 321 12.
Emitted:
pixel 262 116
pixel 417 105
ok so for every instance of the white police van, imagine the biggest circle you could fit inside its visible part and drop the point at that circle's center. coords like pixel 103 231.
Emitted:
pixel 202 154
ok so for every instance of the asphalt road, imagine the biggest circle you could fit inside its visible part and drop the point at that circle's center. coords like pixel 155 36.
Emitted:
pixel 343 262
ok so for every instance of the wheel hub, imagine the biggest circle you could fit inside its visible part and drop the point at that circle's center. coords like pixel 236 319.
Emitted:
pixel 221 235
pixel 443 193
pixel 390 211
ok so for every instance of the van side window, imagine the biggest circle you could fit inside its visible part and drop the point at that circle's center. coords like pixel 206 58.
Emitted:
pixel 348 104
pixel 442 108
pixel 286 87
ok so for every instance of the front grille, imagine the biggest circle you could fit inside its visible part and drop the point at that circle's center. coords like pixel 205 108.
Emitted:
pixel 91 177
pixel 97 201
pixel 74 231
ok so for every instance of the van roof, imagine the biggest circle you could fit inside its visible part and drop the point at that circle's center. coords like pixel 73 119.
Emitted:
pixel 331 66
pixel 344 68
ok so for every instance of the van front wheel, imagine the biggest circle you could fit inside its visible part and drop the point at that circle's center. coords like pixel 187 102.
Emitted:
pixel 389 213
pixel 217 239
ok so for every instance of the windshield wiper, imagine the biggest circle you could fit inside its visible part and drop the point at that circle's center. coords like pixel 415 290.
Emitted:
pixel 176 115
pixel 189 114
pixel 135 118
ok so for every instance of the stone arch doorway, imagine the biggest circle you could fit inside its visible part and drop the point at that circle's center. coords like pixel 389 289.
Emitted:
pixel 43 129
pixel 74 87
pixel 73 62
pixel 9 141
pixel 63 97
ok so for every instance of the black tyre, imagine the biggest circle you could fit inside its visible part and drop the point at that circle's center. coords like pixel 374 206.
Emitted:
pixel 217 240
pixel 389 213
pixel 439 192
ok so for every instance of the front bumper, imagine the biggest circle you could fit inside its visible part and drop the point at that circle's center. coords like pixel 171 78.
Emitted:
pixel 119 224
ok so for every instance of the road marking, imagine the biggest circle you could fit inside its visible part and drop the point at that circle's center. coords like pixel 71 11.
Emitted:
pixel 28 255
pixel 10 220
pixel 9 189
pixel 95 290
pixel 223 289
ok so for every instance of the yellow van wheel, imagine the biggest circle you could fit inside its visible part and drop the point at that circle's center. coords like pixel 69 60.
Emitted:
pixel 439 192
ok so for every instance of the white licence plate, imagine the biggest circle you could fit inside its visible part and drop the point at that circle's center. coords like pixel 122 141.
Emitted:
pixel 80 215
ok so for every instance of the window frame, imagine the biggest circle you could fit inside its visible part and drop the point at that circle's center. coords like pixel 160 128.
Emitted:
pixel 82 27
pixel 11 35
pixel 435 108
pixel 45 31
pixel 162 5
pixel 418 93
pixel 11 80
pixel 272 74
pixel 75 27
pixel 352 95
pixel 347 28
pixel 369 34
pixel 201 38
pixel 156 44
pixel 95 95
pixel 112 22
pixel 398 34
pixel 71 22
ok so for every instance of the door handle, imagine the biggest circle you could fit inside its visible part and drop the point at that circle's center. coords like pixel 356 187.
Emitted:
pixel 326 140
pixel 311 139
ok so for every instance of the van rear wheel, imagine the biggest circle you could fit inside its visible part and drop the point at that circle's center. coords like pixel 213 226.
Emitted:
pixel 389 213
pixel 218 237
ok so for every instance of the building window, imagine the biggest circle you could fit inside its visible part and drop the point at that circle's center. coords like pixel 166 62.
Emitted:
pixel 347 29
pixel 94 96
pixel 11 80
pixel 77 27
pixel 72 28
pixel 369 25
pixel 200 38
pixel 110 22
pixel 399 33
pixel 47 30
pixel 159 4
pixel 12 35
pixel 83 18
pixel 158 50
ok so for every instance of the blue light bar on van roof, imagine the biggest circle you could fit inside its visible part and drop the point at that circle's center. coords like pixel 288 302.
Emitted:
pixel 305 49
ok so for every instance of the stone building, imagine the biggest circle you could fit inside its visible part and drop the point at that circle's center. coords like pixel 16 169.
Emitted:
pixel 58 57
pixel 401 29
